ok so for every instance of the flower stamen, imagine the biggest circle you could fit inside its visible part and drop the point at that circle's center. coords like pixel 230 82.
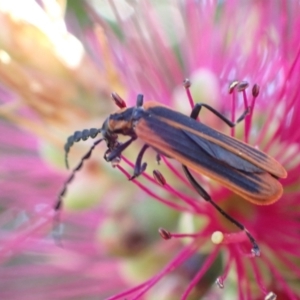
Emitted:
pixel 167 235
pixel 189 201
pixel 118 100
pixel 232 91
pixel 220 282
pixel 271 296
pixel 159 178
pixel 187 84
pixel 219 237
pixel 232 86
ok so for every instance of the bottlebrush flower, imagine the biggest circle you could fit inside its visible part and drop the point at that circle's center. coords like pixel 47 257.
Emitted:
pixel 215 44
pixel 115 246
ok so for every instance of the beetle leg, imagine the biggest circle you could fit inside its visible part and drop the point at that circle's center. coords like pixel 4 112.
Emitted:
pixel 197 108
pixel 206 196
pixel 139 167
pixel 111 154
pixel 202 192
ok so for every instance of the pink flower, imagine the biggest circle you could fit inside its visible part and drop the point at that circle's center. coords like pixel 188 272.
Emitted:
pixel 215 44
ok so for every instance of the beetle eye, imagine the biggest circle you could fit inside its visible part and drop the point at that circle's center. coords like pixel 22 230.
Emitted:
pixel 104 128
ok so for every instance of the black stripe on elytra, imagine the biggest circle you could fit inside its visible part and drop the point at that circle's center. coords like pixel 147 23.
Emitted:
pixel 183 145
pixel 222 154
pixel 163 112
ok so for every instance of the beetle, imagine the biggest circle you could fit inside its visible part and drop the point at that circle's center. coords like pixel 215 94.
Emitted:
pixel 243 169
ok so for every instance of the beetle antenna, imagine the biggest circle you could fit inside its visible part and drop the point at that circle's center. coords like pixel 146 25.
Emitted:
pixel 71 177
pixel 139 100
pixel 78 167
pixel 76 137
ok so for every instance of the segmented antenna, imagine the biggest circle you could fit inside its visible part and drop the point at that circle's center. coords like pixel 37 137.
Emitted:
pixel 76 137
pixel 71 177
